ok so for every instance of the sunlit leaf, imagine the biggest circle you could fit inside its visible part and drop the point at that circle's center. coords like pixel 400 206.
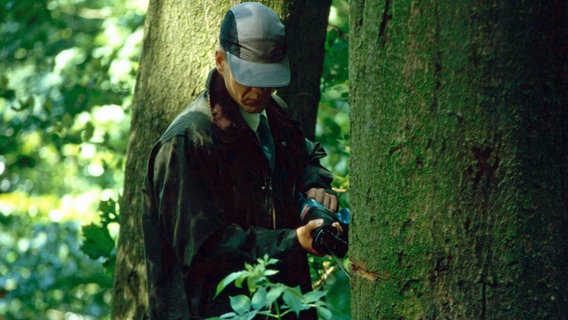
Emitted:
pixel 228 280
pixel 88 131
pixel 270 272
pixel 109 211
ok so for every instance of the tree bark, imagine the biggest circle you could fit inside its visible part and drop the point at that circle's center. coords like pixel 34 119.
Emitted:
pixel 306 23
pixel 177 54
pixel 458 164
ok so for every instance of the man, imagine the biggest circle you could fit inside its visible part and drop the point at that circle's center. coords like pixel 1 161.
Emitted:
pixel 223 180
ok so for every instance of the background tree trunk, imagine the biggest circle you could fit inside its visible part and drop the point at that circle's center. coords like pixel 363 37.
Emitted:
pixel 306 22
pixel 459 159
pixel 178 53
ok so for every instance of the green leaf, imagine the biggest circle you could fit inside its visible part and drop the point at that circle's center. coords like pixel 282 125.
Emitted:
pixel 274 294
pixel 109 210
pixel 229 315
pixel 98 242
pixel 248 316
pixel 227 281
pixel 259 300
pixel 293 299
pixel 110 264
pixel 88 132
pixel 246 275
pixel 270 272
pixel 240 303
pixel 324 313
pixel 313 296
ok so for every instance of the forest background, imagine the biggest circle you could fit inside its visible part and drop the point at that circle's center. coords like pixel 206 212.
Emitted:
pixel 67 74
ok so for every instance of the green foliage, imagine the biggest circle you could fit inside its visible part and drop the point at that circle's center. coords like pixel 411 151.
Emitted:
pixel 68 73
pixel 254 275
pixel 266 298
pixel 332 128
pixel 68 70
pixel 44 273
pixel 98 242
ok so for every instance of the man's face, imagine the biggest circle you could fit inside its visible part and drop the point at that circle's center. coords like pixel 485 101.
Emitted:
pixel 251 99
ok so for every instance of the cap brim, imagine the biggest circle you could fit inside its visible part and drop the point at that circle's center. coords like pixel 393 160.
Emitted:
pixel 261 75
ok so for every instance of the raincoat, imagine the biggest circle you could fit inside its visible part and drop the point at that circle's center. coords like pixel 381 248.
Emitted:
pixel 212 203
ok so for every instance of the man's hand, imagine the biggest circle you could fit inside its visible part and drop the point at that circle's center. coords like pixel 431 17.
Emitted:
pixel 321 196
pixel 304 234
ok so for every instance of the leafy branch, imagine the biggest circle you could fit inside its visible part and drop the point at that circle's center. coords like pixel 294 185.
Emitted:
pixel 274 300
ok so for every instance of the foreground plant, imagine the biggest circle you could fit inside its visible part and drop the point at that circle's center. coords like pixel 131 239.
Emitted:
pixel 266 298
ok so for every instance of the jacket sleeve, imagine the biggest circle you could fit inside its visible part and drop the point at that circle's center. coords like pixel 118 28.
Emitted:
pixel 174 226
pixel 183 227
pixel 315 175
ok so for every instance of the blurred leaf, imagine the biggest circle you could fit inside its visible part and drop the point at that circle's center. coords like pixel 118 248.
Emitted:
pixel 240 303
pixel 109 211
pixel 274 293
pixel 98 242
pixel 332 128
pixel 48 271
pixel 228 280
pixel 259 299
pixel 88 132
pixel 293 299
pixel 110 263
pixel 313 296
pixel 324 313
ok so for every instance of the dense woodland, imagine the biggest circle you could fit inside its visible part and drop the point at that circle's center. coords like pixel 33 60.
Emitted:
pixel 446 135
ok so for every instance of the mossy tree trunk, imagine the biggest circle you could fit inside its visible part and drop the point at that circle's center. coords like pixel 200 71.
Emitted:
pixel 459 159
pixel 178 51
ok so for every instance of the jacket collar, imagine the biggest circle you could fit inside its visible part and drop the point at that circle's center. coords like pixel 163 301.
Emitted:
pixel 229 123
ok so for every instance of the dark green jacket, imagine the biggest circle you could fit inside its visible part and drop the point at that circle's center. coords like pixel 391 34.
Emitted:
pixel 212 203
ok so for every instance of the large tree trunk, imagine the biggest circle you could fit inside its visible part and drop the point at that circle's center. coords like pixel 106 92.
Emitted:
pixel 178 53
pixel 459 153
